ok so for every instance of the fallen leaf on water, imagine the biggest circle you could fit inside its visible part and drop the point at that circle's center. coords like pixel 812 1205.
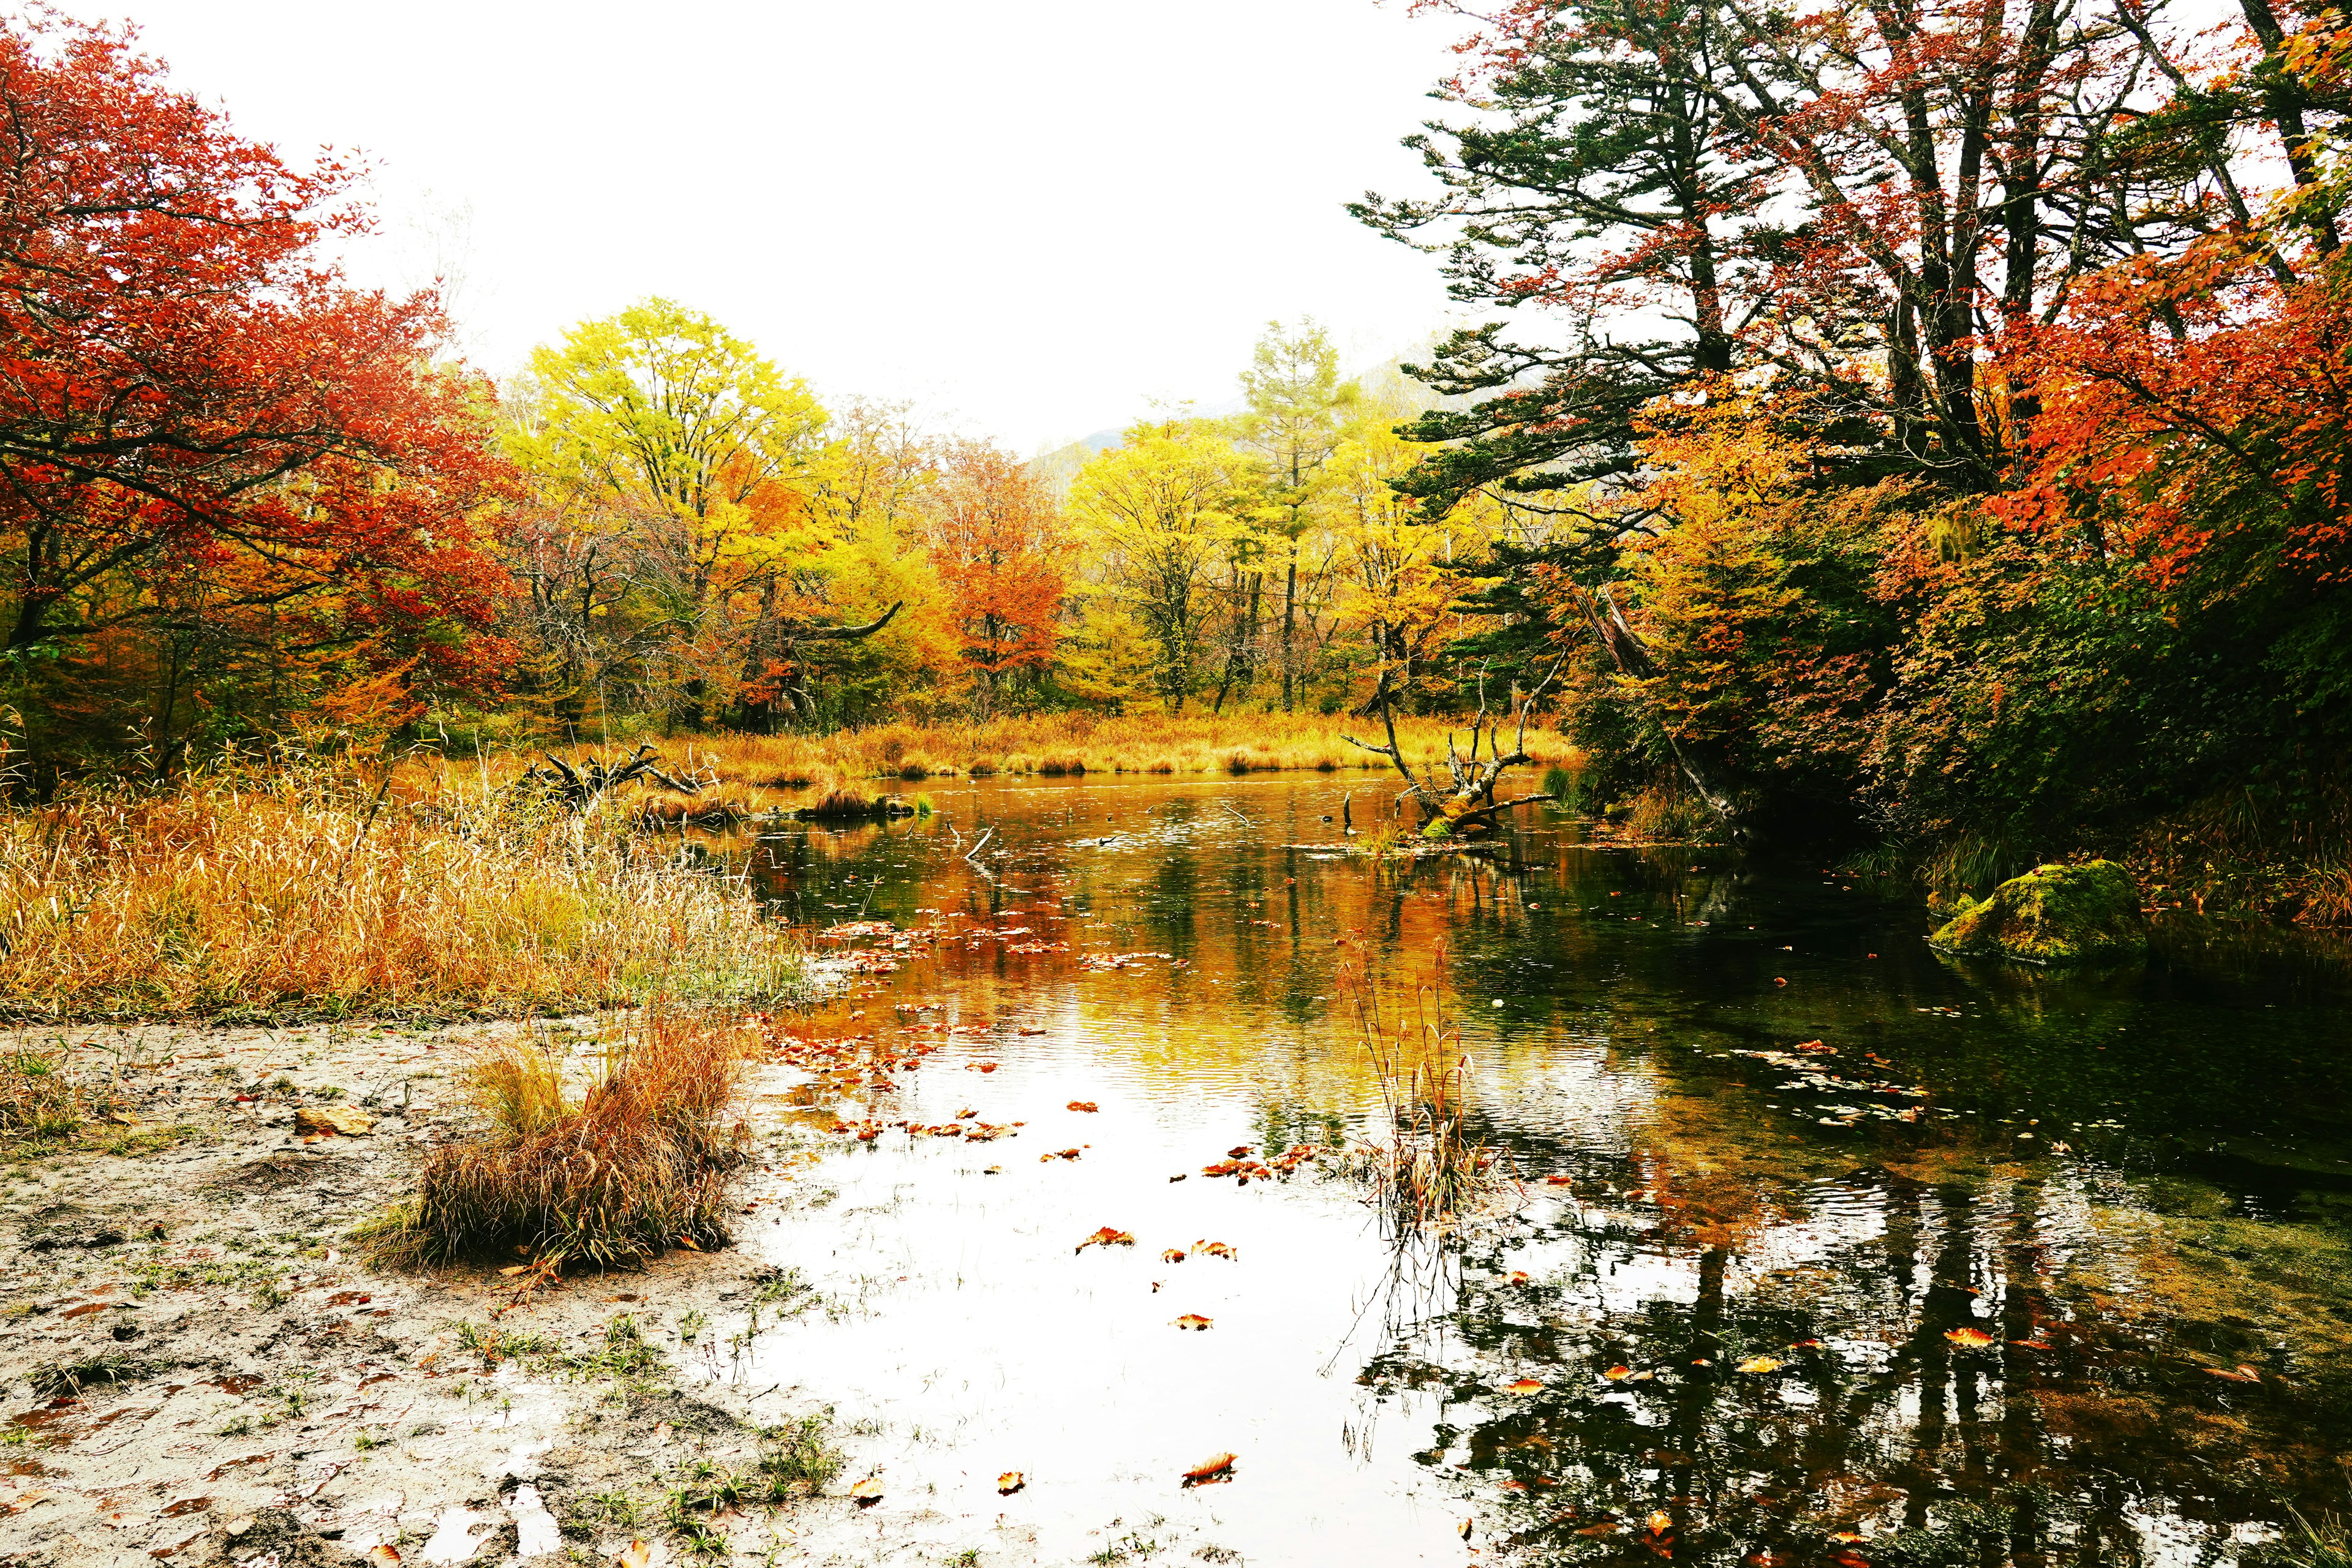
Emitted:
pixel 1058 1154
pixel 636 1554
pixel 1777 980
pixel 1173 1255
pixel 1107 1237
pixel 382 1555
pixel 1851 1559
pixel 1011 1482
pixel 2242 1374
pixel 1606 1527
pixel 1845 1535
pixel 1518 1277
pixel 1660 1523
pixel 1524 1386
pixel 868 1491
pixel 1083 1105
pixel 1760 1363
pixel 1031 1029
pixel 1560 1181
pixel 1178 1177
pixel 1238 1151
pixel 1972 1338
pixel 1215 1465
pixel 1193 1321
pixel 981 1066
pixel 966 1114
pixel 1216 1249
pixel 1806 1345
pixel 1618 1374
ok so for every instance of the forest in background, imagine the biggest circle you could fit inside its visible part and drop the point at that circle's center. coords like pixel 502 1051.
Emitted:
pixel 1916 429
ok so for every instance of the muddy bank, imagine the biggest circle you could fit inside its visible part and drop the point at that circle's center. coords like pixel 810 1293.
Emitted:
pixel 197 1367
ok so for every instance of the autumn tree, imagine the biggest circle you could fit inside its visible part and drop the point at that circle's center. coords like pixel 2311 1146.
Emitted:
pixel 993 540
pixel 210 441
pixel 1297 403
pixel 1162 512
pixel 694 465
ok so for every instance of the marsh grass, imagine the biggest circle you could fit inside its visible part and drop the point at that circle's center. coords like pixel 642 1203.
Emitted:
pixel 301 891
pixel 1426 1168
pixel 636 1164
pixel 1047 745
pixel 2323 1543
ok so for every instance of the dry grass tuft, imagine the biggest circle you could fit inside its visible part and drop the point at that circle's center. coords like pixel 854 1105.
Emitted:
pixel 636 1165
pixel 302 891
pixel 1425 1169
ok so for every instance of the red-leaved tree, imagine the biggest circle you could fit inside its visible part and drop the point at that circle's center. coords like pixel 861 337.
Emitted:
pixel 204 429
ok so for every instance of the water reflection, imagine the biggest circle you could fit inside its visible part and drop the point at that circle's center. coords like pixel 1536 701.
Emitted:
pixel 1859 1254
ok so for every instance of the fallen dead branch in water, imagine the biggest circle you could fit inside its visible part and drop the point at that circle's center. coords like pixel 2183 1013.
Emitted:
pixel 636 1165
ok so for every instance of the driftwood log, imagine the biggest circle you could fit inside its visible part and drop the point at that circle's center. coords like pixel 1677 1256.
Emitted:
pixel 580 787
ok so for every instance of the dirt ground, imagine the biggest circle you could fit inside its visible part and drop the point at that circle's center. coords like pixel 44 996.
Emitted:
pixel 195 1367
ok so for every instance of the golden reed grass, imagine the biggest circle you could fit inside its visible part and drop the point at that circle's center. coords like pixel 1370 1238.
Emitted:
pixel 305 892
pixel 637 1165
pixel 1052 745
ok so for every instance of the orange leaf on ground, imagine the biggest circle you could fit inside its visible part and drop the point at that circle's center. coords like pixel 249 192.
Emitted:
pixel 1193 1321
pixel 382 1555
pixel 1524 1386
pixel 636 1554
pixel 867 1491
pixel 1107 1237
pixel 1011 1482
pixel 1083 1105
pixel 1972 1338
pixel 1212 1468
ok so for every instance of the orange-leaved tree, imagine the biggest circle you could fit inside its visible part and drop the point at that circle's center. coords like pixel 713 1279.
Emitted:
pixel 994 532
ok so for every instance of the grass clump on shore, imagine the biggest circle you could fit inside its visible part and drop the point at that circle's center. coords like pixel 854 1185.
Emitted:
pixel 633 1166
pixel 306 893
pixel 37 1101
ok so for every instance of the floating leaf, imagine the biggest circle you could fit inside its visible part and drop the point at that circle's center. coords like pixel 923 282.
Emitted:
pixel 1213 1467
pixel 1560 1181
pixel 2244 1373
pixel 1217 1249
pixel 1806 1345
pixel 1083 1105
pixel 1058 1154
pixel 1760 1363
pixel 1618 1374
pixel 1107 1237
pixel 1972 1338
pixel 1660 1523
pixel 1193 1321
pixel 1239 1152
pixel 1174 1255
pixel 1011 1482
pixel 1524 1386
pixel 1518 1277
pixel 983 1067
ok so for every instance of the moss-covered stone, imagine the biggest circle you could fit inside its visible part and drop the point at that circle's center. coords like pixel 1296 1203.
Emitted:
pixel 2054 914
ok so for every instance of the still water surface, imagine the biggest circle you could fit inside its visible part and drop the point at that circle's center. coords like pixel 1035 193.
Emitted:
pixel 1792 1135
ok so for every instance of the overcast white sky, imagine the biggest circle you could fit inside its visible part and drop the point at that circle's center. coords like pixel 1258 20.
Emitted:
pixel 1028 215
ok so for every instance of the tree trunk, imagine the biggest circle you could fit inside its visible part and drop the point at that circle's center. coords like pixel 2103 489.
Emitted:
pixel 1697 761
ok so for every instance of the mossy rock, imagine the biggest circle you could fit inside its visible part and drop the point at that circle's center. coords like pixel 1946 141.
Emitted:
pixel 2054 914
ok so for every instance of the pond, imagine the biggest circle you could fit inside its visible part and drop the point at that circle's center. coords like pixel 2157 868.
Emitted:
pixel 1823 1250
